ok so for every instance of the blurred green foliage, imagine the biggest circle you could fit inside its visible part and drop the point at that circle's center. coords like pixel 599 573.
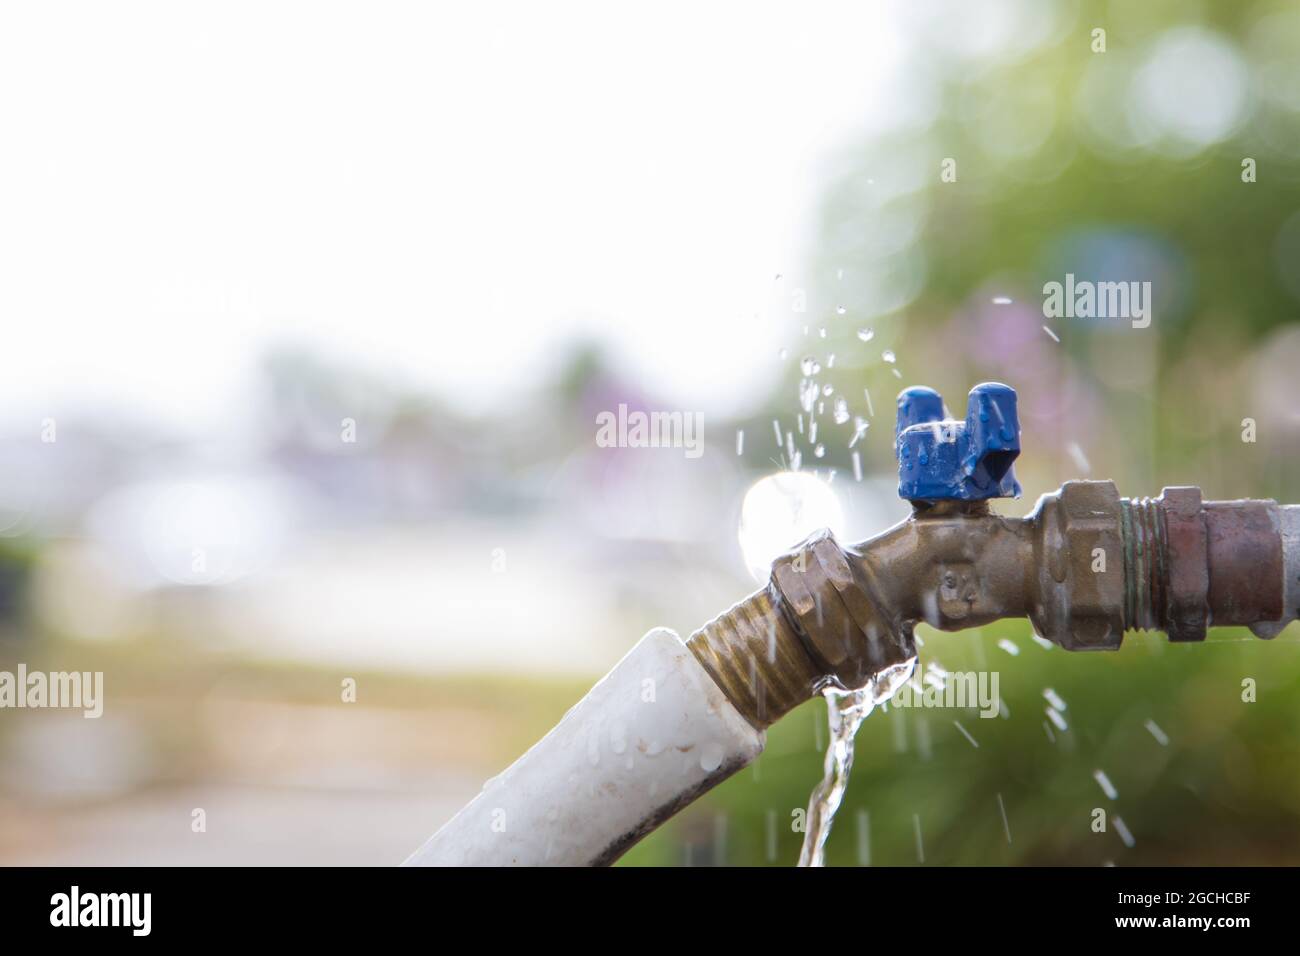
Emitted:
pixel 1225 789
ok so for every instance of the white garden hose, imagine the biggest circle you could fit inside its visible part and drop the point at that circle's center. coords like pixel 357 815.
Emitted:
pixel 649 738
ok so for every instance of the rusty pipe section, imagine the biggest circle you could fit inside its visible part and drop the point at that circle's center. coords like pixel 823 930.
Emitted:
pixel 1085 566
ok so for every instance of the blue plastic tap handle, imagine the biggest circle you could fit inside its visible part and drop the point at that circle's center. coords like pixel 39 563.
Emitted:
pixel 942 459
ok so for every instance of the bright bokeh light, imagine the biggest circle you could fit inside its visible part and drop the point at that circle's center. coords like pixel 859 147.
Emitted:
pixel 1191 91
pixel 781 510
pixel 208 531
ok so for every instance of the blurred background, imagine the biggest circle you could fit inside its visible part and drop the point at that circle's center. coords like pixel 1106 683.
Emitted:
pixel 310 310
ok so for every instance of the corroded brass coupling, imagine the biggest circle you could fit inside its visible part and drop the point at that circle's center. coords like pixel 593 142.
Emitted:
pixel 838 611
pixel 1080 566
pixel 1085 566
pixel 1192 564
pixel 820 621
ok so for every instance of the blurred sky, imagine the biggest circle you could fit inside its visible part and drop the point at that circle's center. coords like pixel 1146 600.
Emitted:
pixel 445 191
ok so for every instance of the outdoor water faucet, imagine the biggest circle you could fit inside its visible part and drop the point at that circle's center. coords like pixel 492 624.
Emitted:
pixel 1085 566
pixel 670 721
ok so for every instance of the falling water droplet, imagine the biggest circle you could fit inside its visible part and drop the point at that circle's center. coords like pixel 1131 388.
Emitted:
pixel 1154 729
pixel 841 411
pixel 1079 458
pixel 888 356
pixel 866 335
pixel 1006 827
pixel 860 426
pixel 1107 787
pixel 808 395
pixel 1122 829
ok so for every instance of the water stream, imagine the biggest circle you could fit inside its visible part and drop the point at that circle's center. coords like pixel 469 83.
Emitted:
pixel 846 710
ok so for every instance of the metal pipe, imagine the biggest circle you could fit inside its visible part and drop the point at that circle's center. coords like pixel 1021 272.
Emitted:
pixel 1084 566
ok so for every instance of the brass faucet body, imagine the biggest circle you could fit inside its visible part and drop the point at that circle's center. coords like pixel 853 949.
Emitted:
pixel 1085 566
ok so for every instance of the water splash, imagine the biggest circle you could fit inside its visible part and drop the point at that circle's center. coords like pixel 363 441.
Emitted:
pixel 1154 729
pixel 1107 787
pixel 808 392
pixel 845 711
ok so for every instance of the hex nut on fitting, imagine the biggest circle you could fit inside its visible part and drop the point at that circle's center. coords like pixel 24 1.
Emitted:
pixel 1187 544
pixel 1089 592
pixel 834 614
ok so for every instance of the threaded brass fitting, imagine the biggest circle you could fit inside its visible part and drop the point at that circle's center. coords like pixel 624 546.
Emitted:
pixel 752 652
